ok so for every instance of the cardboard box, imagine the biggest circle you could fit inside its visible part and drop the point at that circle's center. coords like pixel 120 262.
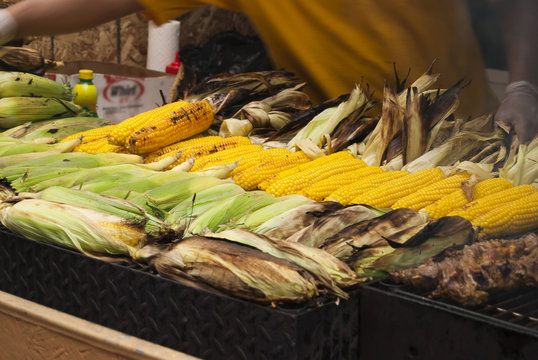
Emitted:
pixel 123 91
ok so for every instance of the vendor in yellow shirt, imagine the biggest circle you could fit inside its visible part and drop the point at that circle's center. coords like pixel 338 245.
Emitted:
pixel 334 44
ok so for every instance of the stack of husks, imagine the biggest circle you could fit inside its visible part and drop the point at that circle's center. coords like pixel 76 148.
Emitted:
pixel 310 201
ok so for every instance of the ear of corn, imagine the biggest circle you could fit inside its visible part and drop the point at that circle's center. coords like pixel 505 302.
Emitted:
pixel 320 161
pixel 347 193
pixel 459 198
pixel 429 194
pixel 385 195
pixel 294 183
pixel 21 148
pixel 71 226
pixel 92 134
pixel 321 189
pixel 99 146
pixel 18 110
pixel 255 158
pixel 62 128
pixel 252 177
pixel 480 206
pixel 169 125
pixel 227 210
pixel 121 133
pixel 235 269
pixel 21 84
pixel 510 218
pixel 15 159
pixel 330 271
pixel 268 212
pixel 198 147
pixel 224 156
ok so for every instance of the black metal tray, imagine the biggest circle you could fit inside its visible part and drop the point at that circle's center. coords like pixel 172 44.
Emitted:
pixel 398 324
pixel 197 322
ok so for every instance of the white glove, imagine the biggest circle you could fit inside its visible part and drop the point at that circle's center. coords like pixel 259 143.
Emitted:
pixel 520 109
pixel 8 27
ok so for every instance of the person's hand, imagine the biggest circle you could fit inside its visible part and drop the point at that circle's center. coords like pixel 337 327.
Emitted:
pixel 8 27
pixel 520 109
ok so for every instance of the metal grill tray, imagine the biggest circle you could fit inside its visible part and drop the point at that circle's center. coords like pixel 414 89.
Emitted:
pixel 194 321
pixel 416 327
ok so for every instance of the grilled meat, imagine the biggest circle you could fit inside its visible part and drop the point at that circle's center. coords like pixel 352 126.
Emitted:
pixel 469 275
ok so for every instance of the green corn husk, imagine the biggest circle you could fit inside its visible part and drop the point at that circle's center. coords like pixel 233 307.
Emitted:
pixel 238 270
pixel 330 271
pixel 167 196
pixel 291 221
pixel 18 110
pixel 86 230
pixel 344 243
pixel 13 148
pixel 17 84
pixel 131 212
pixel 225 211
pixel 324 227
pixel 62 128
pixel 45 164
pixel 184 212
pixel 10 160
pixel 268 212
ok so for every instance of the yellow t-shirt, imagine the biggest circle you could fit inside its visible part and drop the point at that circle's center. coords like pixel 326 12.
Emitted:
pixel 334 44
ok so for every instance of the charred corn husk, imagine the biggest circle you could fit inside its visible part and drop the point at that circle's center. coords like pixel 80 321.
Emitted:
pixel 14 83
pixel 170 123
pixel 431 193
pixel 252 177
pixel 510 218
pixel 15 58
pixel 86 230
pixel 385 195
pixel 125 128
pixel 18 110
pixel 330 271
pixel 235 269
pixel 347 193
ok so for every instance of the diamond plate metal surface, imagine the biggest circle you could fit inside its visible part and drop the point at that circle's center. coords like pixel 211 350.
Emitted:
pixel 197 322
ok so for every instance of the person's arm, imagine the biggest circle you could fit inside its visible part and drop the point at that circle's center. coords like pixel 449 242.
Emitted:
pixel 49 17
pixel 519 28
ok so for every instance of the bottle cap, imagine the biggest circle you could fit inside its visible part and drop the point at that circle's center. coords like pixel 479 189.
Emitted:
pixel 173 67
pixel 85 74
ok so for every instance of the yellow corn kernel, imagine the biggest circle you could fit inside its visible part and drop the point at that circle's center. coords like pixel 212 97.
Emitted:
pixel 347 193
pixel 483 205
pixel 294 183
pixel 255 158
pixel 92 134
pixel 197 148
pixel 510 218
pixel 490 186
pixel 305 166
pixel 169 124
pixel 385 195
pixel 431 193
pixel 321 189
pixel 99 146
pixel 252 177
pixel 224 157
pixel 125 128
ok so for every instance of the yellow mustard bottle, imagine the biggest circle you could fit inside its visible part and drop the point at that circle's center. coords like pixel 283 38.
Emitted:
pixel 85 92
